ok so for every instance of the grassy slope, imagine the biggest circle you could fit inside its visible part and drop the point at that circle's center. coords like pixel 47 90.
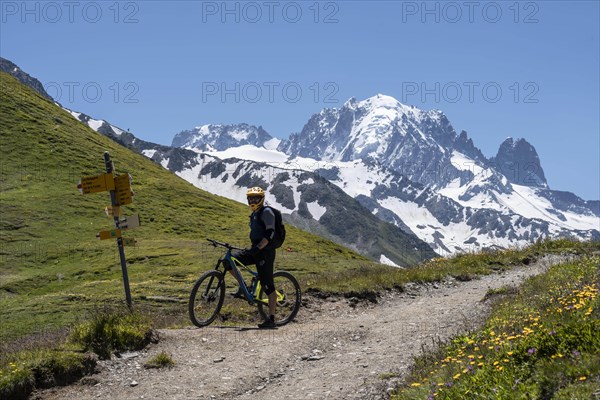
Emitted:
pixel 52 267
pixel 540 341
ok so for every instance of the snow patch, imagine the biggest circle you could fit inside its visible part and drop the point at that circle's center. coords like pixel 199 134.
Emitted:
pixel 73 113
pixel 252 153
pixel 384 260
pixel 464 163
pixel 149 153
pixel 95 124
pixel 316 210
pixel 272 144
pixel 116 130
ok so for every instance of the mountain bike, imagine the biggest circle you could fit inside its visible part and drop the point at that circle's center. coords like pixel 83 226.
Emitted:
pixel 208 293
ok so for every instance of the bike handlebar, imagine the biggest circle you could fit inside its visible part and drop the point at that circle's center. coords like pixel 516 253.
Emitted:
pixel 216 243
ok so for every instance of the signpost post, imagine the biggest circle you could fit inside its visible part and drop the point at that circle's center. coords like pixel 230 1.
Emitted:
pixel 119 188
pixel 120 245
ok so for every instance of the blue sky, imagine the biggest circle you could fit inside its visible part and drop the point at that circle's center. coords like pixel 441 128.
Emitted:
pixel 497 69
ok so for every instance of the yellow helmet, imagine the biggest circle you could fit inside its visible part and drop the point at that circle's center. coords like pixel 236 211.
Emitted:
pixel 256 198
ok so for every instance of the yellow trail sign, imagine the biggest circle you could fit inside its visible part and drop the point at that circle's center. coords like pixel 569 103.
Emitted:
pixel 96 184
pixel 123 194
pixel 112 234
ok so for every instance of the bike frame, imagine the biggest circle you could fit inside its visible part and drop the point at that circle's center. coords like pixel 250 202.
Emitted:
pixel 235 265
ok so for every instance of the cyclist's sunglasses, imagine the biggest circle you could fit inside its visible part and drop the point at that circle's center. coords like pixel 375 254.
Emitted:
pixel 254 199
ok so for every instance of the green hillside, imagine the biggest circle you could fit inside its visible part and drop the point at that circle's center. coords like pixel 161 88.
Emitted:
pixel 54 270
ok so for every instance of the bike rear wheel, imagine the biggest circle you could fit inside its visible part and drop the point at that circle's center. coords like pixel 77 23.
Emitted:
pixel 289 297
pixel 206 298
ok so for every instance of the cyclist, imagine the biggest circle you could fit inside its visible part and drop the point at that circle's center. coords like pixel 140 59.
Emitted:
pixel 262 231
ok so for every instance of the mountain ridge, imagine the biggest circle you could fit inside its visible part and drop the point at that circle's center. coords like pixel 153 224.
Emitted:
pixel 12 69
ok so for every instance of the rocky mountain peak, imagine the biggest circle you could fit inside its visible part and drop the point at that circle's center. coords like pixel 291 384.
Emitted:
pixel 11 68
pixel 518 160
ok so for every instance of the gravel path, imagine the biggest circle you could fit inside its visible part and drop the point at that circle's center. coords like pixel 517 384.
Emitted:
pixel 338 349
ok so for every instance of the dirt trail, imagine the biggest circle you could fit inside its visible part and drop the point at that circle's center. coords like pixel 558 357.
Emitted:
pixel 338 349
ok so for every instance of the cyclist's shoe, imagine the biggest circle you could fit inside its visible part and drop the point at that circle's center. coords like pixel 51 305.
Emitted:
pixel 239 294
pixel 268 323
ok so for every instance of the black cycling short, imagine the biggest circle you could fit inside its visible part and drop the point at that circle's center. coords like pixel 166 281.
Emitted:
pixel 264 261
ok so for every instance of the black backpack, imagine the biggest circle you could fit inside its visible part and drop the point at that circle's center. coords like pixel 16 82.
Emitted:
pixel 279 237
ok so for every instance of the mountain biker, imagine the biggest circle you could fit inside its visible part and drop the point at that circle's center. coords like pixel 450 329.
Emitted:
pixel 262 231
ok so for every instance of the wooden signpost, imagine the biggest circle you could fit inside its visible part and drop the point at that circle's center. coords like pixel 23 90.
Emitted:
pixel 119 187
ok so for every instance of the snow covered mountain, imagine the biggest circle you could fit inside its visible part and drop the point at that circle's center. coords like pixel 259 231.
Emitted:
pixel 410 168
pixel 306 199
pixel 446 225
pixel 222 137
pixel 415 143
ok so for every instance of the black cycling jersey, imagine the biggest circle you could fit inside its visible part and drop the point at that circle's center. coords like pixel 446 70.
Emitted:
pixel 262 225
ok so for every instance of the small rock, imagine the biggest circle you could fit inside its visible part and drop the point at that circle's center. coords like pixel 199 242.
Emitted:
pixel 129 355
pixel 90 381
pixel 220 359
pixel 133 383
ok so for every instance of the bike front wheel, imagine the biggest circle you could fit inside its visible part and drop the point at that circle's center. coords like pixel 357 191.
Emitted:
pixel 206 298
pixel 289 297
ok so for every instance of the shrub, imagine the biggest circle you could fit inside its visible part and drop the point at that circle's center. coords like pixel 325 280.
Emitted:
pixel 160 360
pixel 31 369
pixel 110 331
